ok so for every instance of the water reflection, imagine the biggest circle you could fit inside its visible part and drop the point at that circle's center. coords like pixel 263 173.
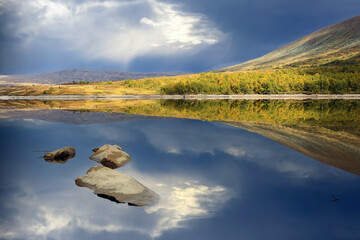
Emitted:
pixel 60 213
pixel 325 130
pixel 40 201
pixel 338 149
pixel 213 180
pixel 336 115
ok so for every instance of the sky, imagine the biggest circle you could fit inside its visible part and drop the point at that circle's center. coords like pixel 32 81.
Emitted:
pixel 154 35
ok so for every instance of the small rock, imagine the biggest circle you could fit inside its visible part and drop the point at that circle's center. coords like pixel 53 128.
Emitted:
pixel 61 155
pixel 117 187
pixel 111 156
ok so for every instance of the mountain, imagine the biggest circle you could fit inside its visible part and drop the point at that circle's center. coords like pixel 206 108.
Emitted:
pixel 78 74
pixel 332 45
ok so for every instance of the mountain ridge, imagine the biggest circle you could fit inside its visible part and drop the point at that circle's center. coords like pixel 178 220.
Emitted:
pixel 337 42
pixel 81 74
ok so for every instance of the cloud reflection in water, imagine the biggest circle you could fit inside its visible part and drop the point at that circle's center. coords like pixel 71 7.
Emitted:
pixel 60 212
pixel 212 167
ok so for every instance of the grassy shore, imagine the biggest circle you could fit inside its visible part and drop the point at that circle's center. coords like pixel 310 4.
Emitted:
pixel 96 88
pixel 320 80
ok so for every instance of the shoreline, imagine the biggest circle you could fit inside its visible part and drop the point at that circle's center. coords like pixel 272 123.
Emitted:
pixel 188 97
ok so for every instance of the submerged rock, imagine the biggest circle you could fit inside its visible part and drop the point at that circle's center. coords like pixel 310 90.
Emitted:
pixel 111 156
pixel 61 155
pixel 117 187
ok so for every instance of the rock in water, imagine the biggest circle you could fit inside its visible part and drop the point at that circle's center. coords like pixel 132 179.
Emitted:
pixel 111 156
pixel 117 187
pixel 61 155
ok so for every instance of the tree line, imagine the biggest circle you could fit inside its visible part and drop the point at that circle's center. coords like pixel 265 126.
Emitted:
pixel 321 80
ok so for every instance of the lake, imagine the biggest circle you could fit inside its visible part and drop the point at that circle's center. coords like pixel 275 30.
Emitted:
pixel 222 169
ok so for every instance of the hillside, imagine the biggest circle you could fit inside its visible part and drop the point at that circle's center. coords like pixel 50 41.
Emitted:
pixel 324 80
pixel 337 44
pixel 79 74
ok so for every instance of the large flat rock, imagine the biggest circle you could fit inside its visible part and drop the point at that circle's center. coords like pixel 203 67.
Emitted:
pixel 117 187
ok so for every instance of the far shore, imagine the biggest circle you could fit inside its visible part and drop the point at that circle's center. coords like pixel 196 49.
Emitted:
pixel 178 97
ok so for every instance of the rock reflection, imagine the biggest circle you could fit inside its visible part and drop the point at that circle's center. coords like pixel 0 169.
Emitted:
pixel 117 187
pixel 61 155
pixel 111 156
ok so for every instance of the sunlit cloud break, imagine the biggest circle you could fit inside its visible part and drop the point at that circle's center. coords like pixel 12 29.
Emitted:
pixel 117 31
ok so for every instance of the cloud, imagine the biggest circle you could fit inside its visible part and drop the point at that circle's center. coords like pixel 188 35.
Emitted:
pixel 138 35
pixel 187 201
pixel 236 151
pixel 60 212
pixel 24 123
pixel 115 31
pixel 53 219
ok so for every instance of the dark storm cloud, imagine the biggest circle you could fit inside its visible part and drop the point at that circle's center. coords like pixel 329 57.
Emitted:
pixel 256 27
pixel 154 35
pixel 98 32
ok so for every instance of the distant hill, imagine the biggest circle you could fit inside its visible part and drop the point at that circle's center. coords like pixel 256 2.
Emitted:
pixel 78 74
pixel 338 44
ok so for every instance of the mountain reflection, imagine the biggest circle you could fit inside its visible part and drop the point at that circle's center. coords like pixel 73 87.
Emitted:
pixel 325 130
pixel 339 150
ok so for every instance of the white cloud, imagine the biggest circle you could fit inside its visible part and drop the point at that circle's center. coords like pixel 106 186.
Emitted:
pixel 147 21
pixel 54 219
pixel 236 151
pixel 24 123
pixel 116 31
pixel 51 12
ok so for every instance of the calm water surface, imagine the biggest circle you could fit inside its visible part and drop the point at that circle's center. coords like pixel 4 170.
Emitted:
pixel 215 181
